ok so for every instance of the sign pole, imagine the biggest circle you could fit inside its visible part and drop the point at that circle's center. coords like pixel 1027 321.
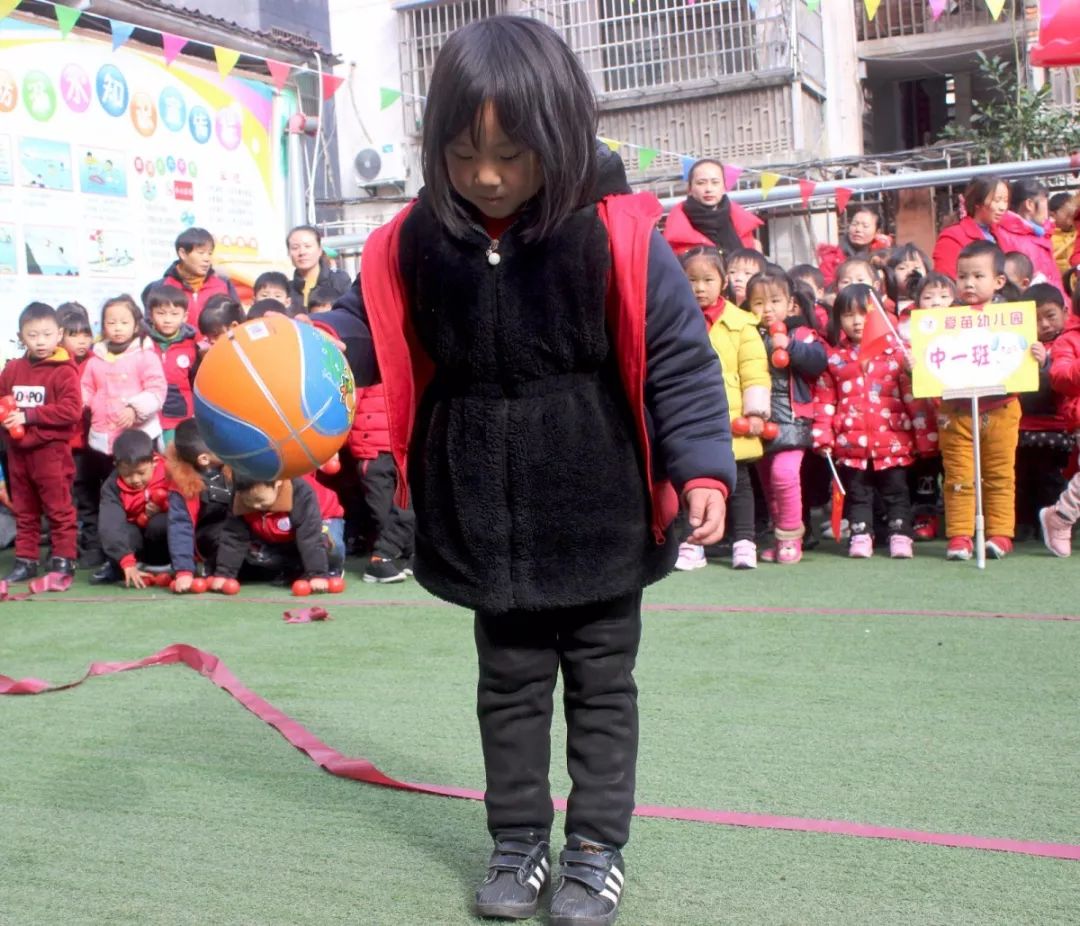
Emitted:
pixel 975 394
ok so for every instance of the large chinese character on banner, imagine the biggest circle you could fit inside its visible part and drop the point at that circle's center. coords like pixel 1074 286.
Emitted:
pixel 966 348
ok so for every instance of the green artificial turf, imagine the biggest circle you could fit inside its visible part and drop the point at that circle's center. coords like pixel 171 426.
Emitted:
pixel 151 797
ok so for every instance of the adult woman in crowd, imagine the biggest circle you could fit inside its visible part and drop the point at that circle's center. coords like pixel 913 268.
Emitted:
pixel 312 266
pixel 708 218
pixel 1026 228
pixel 864 235
pixel 985 201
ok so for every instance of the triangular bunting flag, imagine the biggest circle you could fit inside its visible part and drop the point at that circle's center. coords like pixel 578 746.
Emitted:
pixel 7 7
pixel 686 163
pixel 388 97
pixel 279 72
pixel 768 181
pixel 732 173
pixel 121 32
pixel 66 17
pixel 812 5
pixel 937 7
pixel 995 7
pixel 645 157
pixel 171 46
pixel 611 143
pixel 872 7
pixel 843 195
pixel 330 85
pixel 806 190
pixel 226 59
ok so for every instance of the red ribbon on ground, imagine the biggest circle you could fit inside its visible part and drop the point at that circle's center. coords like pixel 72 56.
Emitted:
pixel 306 615
pixel 209 666
pixel 50 582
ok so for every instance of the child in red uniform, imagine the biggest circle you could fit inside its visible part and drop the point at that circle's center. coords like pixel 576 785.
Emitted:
pixel 45 385
pixel 166 308
pixel 132 524
pixel 284 518
pixel 200 500
pixel 89 474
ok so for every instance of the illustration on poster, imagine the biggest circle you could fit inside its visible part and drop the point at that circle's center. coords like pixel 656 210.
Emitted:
pixel 80 221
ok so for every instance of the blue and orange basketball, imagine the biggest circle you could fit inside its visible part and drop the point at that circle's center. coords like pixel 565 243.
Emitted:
pixel 274 399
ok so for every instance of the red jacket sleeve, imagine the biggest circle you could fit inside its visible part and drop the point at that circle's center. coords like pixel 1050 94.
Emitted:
pixel 946 251
pixel 1065 366
pixel 824 411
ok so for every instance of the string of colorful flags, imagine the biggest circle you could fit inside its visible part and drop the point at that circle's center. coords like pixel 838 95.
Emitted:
pixel 646 155
pixel 937 7
pixel 172 45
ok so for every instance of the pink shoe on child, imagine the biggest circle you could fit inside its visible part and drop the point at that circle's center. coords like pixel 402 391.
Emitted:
pixel 901 547
pixel 861 547
pixel 768 555
pixel 1056 532
pixel 788 552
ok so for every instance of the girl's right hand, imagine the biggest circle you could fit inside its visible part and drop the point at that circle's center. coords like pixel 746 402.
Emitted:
pixel 757 425
pixel 126 418
pixel 216 584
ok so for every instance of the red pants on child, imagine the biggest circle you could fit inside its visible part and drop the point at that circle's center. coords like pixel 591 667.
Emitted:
pixel 40 481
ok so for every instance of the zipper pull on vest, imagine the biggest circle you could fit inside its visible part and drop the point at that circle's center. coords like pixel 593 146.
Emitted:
pixel 492 253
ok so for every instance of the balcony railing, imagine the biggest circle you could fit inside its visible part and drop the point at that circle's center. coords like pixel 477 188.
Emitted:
pixel 897 18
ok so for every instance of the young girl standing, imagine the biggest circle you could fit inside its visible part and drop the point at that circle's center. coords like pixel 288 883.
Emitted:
pixel 867 417
pixel 796 358
pixel 733 335
pixel 123 382
pixel 543 415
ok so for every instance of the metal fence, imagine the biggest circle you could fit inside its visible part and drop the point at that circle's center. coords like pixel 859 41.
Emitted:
pixel 914 17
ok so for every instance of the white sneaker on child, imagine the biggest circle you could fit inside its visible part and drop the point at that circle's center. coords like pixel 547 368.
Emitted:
pixel 691 556
pixel 744 555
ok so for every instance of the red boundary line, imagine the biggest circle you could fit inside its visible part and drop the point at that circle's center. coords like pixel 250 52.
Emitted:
pixel 358 769
pixel 656 608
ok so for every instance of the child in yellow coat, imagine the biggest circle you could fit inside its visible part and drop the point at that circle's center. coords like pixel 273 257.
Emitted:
pixel 734 336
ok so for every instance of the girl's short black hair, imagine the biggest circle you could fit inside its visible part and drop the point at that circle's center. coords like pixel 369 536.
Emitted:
pixel 856 296
pixel 770 277
pixel 543 100
pixel 219 313
pixel 128 302
pixel 73 318
pixel 712 255
pixel 935 279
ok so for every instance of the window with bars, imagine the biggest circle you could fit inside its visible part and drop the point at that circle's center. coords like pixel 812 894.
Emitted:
pixel 624 45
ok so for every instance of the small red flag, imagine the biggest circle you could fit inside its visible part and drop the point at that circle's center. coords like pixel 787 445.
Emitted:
pixel 837 515
pixel 843 194
pixel 877 333
pixel 806 190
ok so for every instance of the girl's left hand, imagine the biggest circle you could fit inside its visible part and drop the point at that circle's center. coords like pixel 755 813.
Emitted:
pixel 757 425
pixel 706 509
pixel 15 419
pixel 780 341
pixel 126 418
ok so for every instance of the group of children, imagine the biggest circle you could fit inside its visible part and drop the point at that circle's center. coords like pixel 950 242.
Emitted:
pixel 801 390
pixel 102 442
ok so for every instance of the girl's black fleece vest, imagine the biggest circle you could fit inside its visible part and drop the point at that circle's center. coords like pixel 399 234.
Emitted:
pixel 524 469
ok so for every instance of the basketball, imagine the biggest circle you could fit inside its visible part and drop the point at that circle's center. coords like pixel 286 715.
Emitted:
pixel 274 398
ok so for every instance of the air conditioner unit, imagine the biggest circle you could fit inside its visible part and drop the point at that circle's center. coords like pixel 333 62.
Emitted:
pixel 380 165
